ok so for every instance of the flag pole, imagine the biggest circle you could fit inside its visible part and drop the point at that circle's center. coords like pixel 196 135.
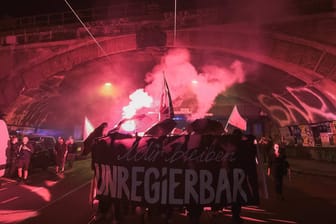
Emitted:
pixel 162 94
pixel 166 101
pixel 170 102
pixel 175 23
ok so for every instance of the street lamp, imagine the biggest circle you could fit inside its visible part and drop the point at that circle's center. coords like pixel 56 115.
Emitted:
pixel 107 89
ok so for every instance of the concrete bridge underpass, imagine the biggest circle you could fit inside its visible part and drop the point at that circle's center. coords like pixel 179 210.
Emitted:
pixel 289 69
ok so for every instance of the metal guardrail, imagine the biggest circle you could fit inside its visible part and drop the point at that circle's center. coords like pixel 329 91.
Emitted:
pixel 63 18
pixel 103 25
pixel 116 20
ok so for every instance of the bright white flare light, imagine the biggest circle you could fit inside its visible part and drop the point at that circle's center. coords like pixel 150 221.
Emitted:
pixel 194 82
pixel 138 99
pixel 129 125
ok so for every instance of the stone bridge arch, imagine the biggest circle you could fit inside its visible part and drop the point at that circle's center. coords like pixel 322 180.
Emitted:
pixel 307 61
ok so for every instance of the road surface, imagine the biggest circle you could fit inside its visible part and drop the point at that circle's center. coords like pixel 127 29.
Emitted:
pixel 52 199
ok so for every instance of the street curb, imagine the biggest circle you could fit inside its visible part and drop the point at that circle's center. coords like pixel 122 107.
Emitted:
pixel 312 173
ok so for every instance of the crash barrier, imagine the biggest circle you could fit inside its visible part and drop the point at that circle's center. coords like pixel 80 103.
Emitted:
pixel 185 170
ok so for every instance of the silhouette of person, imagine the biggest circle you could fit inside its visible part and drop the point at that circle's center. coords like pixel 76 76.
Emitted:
pixel 104 203
pixel 72 151
pixel 278 167
pixel 24 156
pixel 12 155
pixel 61 153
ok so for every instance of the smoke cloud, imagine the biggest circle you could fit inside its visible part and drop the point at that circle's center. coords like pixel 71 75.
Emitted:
pixel 193 90
pixel 190 89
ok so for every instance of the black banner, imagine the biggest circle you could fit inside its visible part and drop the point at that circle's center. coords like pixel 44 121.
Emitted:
pixel 181 170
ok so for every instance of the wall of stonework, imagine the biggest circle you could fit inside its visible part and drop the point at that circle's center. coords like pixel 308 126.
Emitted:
pixel 25 67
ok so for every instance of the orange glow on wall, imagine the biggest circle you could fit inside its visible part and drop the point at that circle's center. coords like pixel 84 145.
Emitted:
pixel 107 90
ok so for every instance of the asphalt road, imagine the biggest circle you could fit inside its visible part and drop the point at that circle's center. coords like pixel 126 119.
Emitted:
pixel 52 199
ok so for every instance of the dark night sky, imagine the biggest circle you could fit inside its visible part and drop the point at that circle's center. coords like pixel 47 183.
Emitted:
pixel 31 7
pixel 20 8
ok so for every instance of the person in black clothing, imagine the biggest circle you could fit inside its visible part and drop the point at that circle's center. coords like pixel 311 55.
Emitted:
pixel 72 150
pixel 24 156
pixel 61 153
pixel 244 158
pixel 13 153
pixel 278 167
pixel 265 146
pixel 90 143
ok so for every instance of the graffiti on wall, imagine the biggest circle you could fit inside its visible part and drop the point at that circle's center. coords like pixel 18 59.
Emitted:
pixel 299 105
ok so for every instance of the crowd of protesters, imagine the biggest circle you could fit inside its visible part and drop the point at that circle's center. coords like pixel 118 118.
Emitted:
pixel 107 209
pixel 272 155
pixel 20 151
pixel 268 152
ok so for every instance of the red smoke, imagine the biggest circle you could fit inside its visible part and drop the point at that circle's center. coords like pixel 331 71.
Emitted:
pixel 190 89
pixel 185 82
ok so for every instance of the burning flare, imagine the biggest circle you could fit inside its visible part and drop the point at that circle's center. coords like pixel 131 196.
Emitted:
pixel 138 99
